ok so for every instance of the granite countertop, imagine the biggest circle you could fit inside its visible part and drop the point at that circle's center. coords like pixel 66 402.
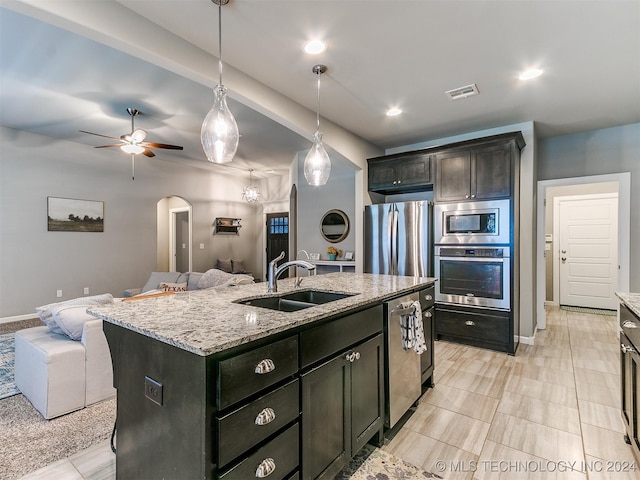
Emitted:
pixel 207 321
pixel 631 300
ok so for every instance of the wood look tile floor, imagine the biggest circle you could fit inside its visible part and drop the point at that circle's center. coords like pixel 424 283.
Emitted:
pixel 552 411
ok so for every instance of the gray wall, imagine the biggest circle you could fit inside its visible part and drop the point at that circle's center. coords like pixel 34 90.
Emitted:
pixel 34 263
pixel 313 203
pixel 599 152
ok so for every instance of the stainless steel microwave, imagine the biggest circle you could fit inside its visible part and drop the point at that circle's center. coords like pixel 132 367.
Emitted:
pixel 484 222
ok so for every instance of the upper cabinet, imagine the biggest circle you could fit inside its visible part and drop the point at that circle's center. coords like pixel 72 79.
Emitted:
pixel 480 173
pixel 403 173
pixel 479 169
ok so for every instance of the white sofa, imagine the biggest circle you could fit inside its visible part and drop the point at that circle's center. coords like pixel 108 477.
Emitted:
pixel 63 371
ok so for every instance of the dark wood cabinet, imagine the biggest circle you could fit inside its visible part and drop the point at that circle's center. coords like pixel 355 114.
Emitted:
pixel 400 173
pixel 342 408
pixel 478 173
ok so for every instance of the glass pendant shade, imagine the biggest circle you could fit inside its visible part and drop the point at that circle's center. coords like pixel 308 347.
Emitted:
pixel 251 194
pixel 317 165
pixel 219 134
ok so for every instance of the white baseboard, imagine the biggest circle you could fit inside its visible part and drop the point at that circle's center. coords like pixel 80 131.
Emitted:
pixel 527 340
pixel 17 318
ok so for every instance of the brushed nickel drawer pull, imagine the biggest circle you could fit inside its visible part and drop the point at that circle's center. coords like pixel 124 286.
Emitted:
pixel 626 348
pixel 629 324
pixel 428 314
pixel 350 357
pixel 266 468
pixel 428 297
pixel 267 415
pixel 471 323
pixel 265 366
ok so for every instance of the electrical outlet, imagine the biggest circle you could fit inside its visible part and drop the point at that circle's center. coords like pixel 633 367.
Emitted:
pixel 58 293
pixel 86 290
pixel 153 390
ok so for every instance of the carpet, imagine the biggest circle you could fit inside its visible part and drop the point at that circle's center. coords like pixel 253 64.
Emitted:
pixel 29 442
pixel 371 463
pixel 7 386
pixel 591 311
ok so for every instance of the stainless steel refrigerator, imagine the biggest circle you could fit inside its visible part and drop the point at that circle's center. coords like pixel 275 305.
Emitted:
pixel 399 238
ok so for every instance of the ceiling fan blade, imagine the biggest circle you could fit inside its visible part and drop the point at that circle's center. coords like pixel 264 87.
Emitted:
pixel 148 153
pixel 161 145
pixel 138 135
pixel 112 145
pixel 98 134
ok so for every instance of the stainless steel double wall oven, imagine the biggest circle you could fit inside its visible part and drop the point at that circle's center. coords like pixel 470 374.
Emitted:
pixel 472 254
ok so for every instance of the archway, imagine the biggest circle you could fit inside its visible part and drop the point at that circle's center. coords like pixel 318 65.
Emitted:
pixel 174 235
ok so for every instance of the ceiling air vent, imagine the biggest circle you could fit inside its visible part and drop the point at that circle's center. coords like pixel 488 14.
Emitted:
pixel 462 92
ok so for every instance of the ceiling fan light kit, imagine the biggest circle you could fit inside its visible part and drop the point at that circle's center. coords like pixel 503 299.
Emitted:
pixel 317 165
pixel 219 134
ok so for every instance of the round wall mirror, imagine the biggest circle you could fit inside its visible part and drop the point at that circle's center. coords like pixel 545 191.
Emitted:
pixel 334 226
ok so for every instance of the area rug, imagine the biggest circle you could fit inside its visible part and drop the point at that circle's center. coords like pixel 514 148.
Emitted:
pixel 371 463
pixel 591 311
pixel 29 442
pixel 7 385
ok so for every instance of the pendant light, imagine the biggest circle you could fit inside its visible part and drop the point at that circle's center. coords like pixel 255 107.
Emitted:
pixel 219 134
pixel 317 165
pixel 251 193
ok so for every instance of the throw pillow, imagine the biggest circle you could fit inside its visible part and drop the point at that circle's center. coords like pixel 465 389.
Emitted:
pixel 194 278
pixel 238 266
pixel 173 287
pixel 224 264
pixel 71 319
pixel 45 312
pixel 157 278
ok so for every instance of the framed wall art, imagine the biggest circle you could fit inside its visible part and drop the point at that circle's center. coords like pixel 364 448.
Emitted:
pixel 71 215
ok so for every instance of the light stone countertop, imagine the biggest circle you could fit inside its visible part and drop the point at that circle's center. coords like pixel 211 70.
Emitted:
pixel 631 300
pixel 207 321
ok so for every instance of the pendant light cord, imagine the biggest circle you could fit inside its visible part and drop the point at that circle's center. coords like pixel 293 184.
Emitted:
pixel 220 40
pixel 318 104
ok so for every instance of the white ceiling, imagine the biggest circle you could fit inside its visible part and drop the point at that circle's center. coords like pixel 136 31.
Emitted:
pixel 69 65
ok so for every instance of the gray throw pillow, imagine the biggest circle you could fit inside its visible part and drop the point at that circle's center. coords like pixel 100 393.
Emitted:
pixel 224 264
pixel 238 266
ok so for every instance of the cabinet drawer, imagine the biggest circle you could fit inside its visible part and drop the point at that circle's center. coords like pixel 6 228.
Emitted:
pixel 247 426
pixel 281 452
pixel 427 298
pixel 320 342
pixel 472 325
pixel 239 376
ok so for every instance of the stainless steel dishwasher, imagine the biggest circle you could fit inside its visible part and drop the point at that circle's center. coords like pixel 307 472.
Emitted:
pixel 402 378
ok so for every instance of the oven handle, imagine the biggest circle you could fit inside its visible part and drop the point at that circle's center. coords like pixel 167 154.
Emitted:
pixel 474 259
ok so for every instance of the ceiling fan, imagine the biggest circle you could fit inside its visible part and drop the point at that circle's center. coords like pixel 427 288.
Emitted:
pixel 133 142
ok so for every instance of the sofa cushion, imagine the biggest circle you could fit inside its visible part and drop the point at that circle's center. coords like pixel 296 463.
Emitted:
pixel 238 266
pixel 224 264
pixel 194 278
pixel 71 319
pixel 157 278
pixel 45 312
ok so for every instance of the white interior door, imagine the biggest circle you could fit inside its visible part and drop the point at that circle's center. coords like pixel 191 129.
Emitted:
pixel 588 251
pixel 180 239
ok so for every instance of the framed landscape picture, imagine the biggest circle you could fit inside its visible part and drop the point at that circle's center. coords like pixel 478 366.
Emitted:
pixel 71 215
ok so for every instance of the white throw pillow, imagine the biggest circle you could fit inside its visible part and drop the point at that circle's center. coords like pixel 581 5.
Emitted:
pixel 45 312
pixel 213 278
pixel 173 287
pixel 71 319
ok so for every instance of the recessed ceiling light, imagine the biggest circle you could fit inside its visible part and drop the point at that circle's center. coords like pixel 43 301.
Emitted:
pixel 531 73
pixel 314 47
pixel 393 112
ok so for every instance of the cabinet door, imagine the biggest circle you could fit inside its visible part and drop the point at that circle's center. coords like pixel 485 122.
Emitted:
pixel 491 172
pixel 453 176
pixel 326 415
pixel 367 392
pixel 382 175
pixel 413 170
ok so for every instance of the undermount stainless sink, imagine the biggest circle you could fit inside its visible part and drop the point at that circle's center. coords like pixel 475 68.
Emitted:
pixel 294 301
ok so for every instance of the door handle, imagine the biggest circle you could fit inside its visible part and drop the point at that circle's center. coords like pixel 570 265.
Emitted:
pixel 564 259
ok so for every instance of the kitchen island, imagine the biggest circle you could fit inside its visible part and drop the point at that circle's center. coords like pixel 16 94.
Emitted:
pixel 215 389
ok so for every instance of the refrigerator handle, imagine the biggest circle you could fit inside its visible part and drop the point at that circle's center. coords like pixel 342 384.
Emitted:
pixel 390 243
pixel 394 241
